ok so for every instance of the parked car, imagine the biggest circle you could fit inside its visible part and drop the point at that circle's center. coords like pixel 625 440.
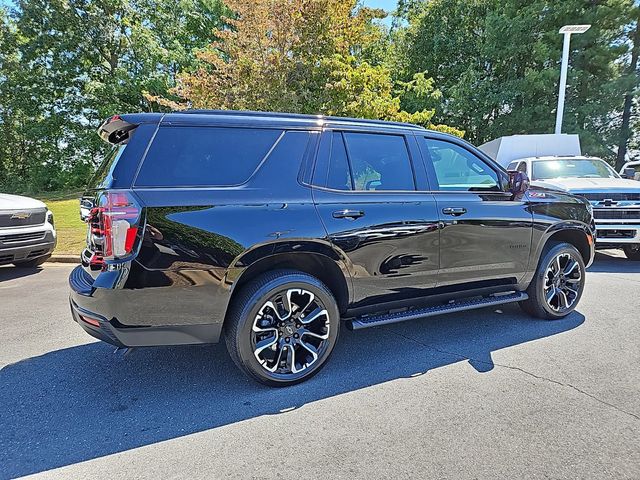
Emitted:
pixel 27 232
pixel 556 162
pixel 271 230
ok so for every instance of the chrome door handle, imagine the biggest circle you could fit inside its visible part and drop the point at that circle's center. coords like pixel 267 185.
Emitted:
pixel 353 214
pixel 455 211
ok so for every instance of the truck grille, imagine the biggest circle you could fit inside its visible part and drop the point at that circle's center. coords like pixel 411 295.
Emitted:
pixel 21 237
pixel 617 234
pixel 22 218
pixel 616 214
pixel 616 197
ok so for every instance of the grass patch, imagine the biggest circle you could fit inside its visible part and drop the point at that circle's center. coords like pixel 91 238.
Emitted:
pixel 66 213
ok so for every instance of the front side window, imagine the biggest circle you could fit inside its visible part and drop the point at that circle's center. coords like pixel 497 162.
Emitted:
pixel 379 162
pixel 204 156
pixel 457 169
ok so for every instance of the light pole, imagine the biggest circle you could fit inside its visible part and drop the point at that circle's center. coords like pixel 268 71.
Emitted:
pixel 567 30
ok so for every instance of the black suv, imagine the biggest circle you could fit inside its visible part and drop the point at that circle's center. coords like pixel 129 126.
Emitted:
pixel 271 230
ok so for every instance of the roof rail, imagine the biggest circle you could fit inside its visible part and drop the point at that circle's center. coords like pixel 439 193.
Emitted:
pixel 302 116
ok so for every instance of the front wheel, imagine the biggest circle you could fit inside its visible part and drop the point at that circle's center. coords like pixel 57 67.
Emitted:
pixel 632 251
pixel 282 327
pixel 558 283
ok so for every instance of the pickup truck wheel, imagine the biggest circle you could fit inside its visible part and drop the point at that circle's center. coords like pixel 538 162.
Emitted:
pixel 32 263
pixel 558 283
pixel 632 251
pixel 282 327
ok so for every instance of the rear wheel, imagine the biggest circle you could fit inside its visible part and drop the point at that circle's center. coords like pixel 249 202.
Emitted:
pixel 282 327
pixel 32 263
pixel 558 283
pixel 632 251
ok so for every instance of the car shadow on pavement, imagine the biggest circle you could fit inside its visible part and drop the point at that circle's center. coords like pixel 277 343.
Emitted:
pixel 607 262
pixel 9 272
pixel 84 402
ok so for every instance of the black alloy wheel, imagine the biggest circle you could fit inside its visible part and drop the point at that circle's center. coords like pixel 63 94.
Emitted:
pixel 558 283
pixel 282 327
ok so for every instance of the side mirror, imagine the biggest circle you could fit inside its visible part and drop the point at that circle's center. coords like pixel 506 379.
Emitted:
pixel 518 183
pixel 629 172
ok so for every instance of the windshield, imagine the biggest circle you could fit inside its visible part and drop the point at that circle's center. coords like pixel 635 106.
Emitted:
pixel 572 167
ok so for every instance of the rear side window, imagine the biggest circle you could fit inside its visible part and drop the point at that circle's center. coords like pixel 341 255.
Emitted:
pixel 379 162
pixel 339 174
pixel 204 156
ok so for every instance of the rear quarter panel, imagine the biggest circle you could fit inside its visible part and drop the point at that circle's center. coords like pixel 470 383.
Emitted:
pixel 198 241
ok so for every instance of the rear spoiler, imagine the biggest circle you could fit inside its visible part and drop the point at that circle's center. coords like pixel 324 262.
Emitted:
pixel 115 129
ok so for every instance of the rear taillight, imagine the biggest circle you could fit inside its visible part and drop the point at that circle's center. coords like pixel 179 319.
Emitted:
pixel 113 225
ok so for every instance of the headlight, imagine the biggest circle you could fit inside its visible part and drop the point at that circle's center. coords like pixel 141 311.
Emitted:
pixel 50 218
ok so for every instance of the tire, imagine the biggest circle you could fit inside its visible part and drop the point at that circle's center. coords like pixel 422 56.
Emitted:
pixel 632 252
pixel 564 290
pixel 272 345
pixel 36 262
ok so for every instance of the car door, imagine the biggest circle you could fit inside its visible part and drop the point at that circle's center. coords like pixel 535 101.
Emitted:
pixel 485 233
pixel 365 190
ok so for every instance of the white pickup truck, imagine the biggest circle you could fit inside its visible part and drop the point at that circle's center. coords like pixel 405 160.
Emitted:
pixel 27 232
pixel 556 162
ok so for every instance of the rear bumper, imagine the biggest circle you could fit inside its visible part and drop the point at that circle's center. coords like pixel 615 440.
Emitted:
pixel 96 310
pixel 11 252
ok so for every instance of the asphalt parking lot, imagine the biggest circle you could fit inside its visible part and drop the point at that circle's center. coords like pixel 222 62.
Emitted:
pixel 486 394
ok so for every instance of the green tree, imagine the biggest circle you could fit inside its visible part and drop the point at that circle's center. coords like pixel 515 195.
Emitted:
pixel 297 56
pixel 496 63
pixel 629 128
pixel 72 63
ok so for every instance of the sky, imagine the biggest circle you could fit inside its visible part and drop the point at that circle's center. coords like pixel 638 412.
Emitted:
pixel 387 5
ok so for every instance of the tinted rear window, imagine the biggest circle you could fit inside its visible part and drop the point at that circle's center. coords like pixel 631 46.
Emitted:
pixel 205 156
pixel 103 178
pixel 379 162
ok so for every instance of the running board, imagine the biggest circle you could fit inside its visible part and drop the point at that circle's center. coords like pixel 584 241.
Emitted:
pixel 461 306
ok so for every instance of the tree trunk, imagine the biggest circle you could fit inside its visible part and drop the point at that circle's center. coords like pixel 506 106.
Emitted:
pixel 625 130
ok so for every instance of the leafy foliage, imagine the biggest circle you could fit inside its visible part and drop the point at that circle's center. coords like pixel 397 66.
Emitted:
pixel 488 67
pixel 297 56
pixel 66 65
pixel 496 63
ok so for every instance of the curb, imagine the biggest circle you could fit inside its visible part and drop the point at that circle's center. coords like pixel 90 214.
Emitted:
pixel 64 259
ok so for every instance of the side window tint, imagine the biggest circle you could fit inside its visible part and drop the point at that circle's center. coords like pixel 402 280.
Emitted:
pixel 513 166
pixel 339 176
pixel 204 156
pixel 458 169
pixel 379 162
